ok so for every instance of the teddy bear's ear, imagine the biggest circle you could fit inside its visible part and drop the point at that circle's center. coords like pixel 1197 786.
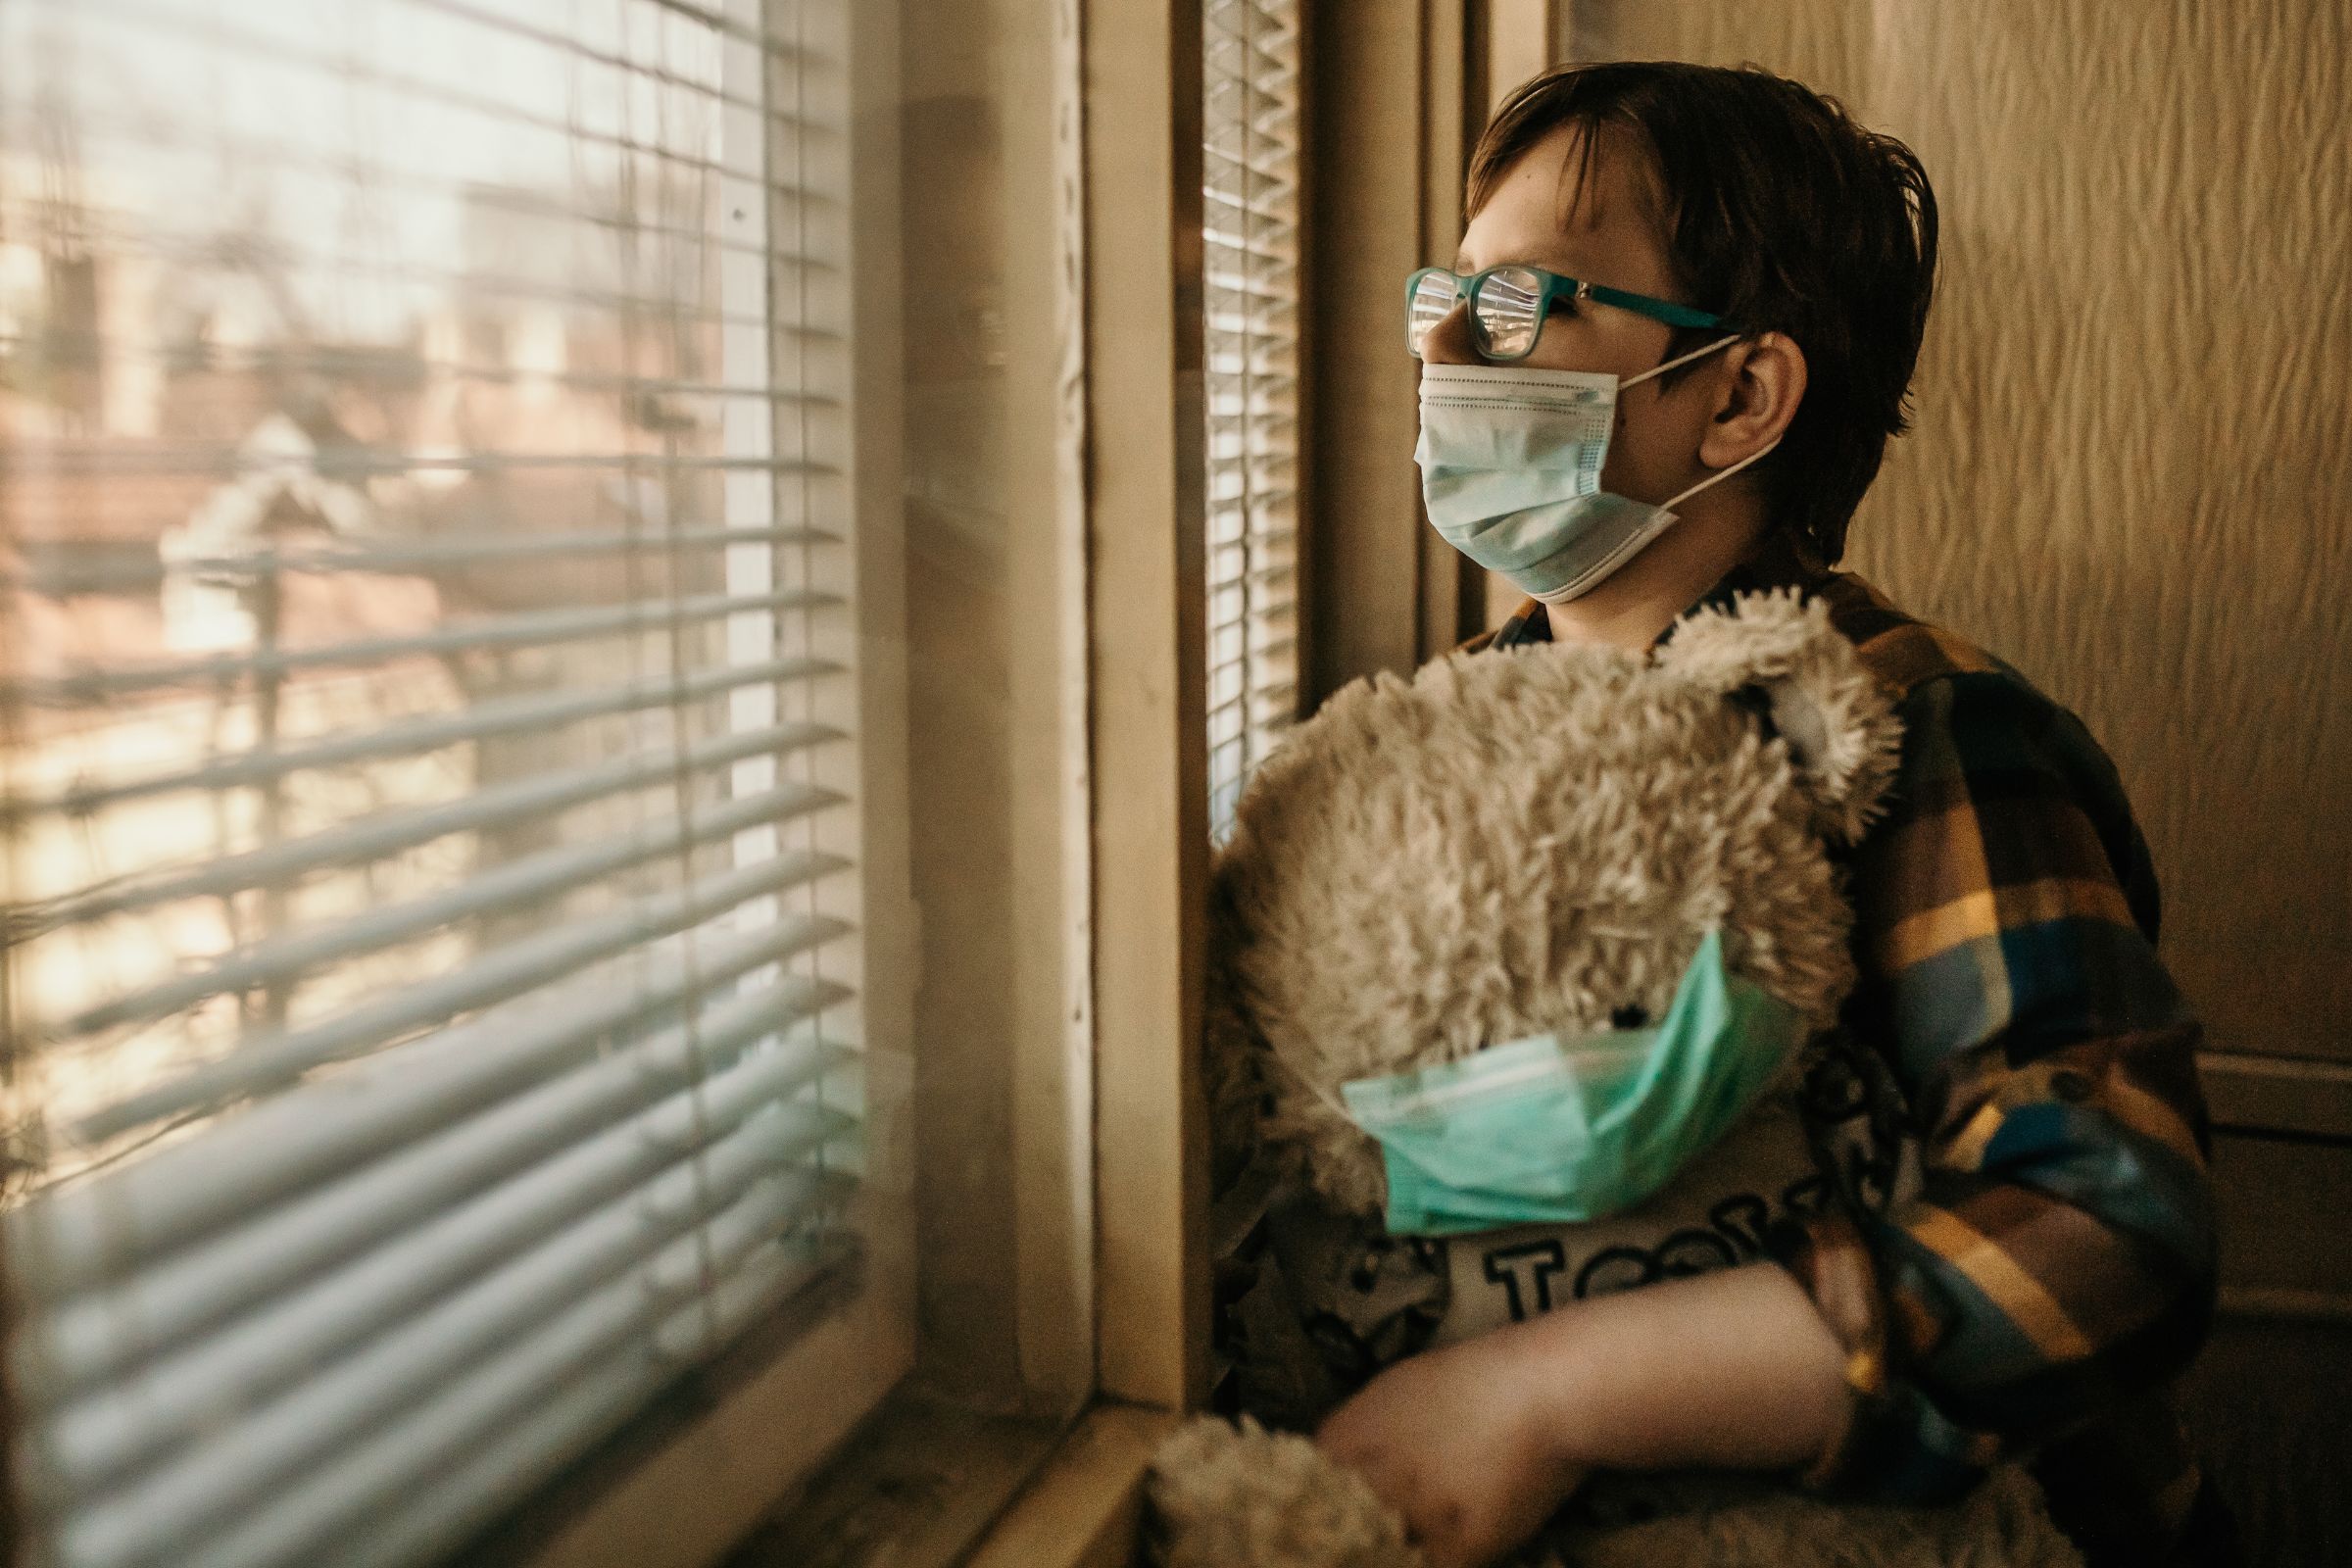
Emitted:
pixel 1779 651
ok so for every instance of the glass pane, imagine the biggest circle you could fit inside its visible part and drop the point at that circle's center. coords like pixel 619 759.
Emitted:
pixel 429 706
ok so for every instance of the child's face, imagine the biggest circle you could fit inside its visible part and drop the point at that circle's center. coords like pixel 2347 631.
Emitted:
pixel 1600 229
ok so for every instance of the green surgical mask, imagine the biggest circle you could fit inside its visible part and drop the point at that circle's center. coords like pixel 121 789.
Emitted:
pixel 1576 1129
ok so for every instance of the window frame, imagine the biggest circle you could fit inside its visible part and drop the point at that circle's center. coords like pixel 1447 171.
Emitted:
pixel 691 1479
pixel 1124 478
pixel 1145 664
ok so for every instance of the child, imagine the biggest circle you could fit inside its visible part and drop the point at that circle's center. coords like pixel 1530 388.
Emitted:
pixel 1743 274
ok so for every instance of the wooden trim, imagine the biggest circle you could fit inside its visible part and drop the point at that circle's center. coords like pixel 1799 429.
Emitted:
pixel 1052 1018
pixel 2277 1094
pixel 1308 547
pixel 1085 1508
pixel 919 1487
pixel 688 1503
pixel 1364 207
pixel 1149 692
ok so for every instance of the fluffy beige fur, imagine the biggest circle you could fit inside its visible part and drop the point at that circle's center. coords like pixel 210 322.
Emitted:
pixel 1252 1498
pixel 1509 844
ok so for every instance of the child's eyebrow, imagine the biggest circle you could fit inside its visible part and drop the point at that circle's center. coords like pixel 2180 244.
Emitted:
pixel 1547 261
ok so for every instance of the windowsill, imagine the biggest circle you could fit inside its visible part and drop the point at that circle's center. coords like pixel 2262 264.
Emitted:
pixel 702 1479
pixel 929 1485
pixel 681 1482
pixel 1085 1506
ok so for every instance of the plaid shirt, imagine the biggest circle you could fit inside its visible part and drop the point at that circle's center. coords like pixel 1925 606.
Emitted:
pixel 2056 1268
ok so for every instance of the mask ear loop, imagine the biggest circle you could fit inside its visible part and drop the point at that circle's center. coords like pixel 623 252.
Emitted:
pixel 1757 456
pixel 1712 479
pixel 1330 1100
pixel 1694 354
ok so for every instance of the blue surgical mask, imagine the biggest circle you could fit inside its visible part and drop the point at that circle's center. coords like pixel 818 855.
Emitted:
pixel 1511 472
pixel 1577 1128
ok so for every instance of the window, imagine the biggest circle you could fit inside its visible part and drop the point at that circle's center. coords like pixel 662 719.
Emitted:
pixel 439 884
pixel 1250 220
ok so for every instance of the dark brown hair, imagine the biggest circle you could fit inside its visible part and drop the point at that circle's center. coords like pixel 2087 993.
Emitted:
pixel 1779 214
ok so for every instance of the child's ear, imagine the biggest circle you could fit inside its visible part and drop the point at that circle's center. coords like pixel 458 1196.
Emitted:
pixel 1760 401
pixel 1778 653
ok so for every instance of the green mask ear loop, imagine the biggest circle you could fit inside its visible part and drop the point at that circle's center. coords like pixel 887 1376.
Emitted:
pixel 1546 1129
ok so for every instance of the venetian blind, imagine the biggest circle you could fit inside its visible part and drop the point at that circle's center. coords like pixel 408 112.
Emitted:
pixel 1251 222
pixel 430 746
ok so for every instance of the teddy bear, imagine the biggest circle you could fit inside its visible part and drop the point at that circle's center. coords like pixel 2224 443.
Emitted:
pixel 1556 853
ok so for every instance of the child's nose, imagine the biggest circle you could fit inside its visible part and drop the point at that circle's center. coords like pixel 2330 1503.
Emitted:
pixel 1448 341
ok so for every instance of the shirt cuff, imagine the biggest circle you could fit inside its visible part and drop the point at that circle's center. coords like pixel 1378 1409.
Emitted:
pixel 1896 1446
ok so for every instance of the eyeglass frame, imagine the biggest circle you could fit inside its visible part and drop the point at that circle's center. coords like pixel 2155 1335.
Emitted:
pixel 1550 287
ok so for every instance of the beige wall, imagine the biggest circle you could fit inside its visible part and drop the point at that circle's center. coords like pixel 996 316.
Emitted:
pixel 2131 471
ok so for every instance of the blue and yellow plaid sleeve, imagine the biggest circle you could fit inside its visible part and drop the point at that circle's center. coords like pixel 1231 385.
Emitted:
pixel 2057 1261
pixel 2056 1266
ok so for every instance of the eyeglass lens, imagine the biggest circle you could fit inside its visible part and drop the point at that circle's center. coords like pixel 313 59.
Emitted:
pixel 1505 313
pixel 1433 302
pixel 1504 318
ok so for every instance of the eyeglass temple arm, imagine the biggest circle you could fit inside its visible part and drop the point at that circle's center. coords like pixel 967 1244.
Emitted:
pixel 1656 310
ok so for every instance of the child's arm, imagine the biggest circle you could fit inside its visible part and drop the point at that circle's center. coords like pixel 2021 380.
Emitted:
pixel 1477 1442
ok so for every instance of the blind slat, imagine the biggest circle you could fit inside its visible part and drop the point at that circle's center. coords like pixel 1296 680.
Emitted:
pixel 319 1290
pixel 386 832
pixel 508 971
pixel 530 629
pixel 326 172
pixel 365 366
pixel 127 1218
pixel 437 1333
pixel 1255 576
pixel 564 868
pixel 229 460
pixel 502 717
pixel 447 1427
pixel 420 558
pixel 511 1459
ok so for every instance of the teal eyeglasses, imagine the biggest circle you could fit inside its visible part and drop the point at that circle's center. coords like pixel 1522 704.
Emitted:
pixel 1509 305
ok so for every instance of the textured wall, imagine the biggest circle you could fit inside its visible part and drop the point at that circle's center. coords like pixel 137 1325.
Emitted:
pixel 2131 471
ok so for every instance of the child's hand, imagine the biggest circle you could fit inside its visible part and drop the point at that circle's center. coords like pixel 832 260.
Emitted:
pixel 1460 1443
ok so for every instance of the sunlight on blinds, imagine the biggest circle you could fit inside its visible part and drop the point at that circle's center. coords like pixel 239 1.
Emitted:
pixel 430 742
pixel 1251 218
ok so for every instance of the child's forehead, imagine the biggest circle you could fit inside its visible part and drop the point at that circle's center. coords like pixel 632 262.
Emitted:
pixel 1574 203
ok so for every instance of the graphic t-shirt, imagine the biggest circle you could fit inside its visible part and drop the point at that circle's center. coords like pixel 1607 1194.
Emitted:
pixel 1326 1300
